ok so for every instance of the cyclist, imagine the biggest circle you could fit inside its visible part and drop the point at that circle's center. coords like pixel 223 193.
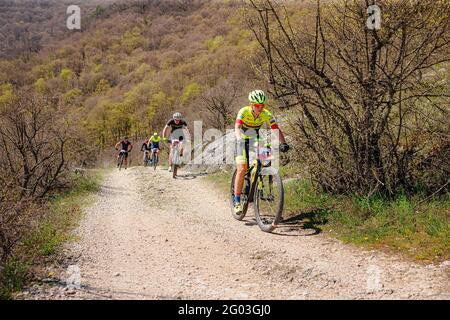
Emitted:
pixel 154 144
pixel 146 149
pixel 248 122
pixel 125 147
pixel 177 128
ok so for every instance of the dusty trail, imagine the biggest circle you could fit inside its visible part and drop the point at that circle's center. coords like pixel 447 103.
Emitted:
pixel 149 236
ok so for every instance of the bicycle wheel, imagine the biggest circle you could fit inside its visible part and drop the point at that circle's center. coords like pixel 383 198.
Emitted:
pixel 145 160
pixel 155 160
pixel 121 162
pixel 244 197
pixel 175 162
pixel 269 199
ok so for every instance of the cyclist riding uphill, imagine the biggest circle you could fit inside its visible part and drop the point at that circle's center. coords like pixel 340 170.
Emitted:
pixel 145 148
pixel 248 122
pixel 153 143
pixel 125 148
pixel 177 128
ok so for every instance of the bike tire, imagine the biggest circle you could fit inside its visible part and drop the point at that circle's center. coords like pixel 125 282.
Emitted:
pixel 120 162
pixel 241 216
pixel 145 161
pixel 155 160
pixel 175 160
pixel 269 227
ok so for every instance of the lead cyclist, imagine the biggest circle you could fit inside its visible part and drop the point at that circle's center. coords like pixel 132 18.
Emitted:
pixel 248 122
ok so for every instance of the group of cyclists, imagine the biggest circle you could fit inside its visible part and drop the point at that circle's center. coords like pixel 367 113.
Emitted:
pixel 248 122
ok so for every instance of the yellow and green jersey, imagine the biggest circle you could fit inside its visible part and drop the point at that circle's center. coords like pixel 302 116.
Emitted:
pixel 155 139
pixel 246 118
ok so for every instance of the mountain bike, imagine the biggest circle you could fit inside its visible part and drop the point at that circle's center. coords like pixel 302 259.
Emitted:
pixel 176 158
pixel 263 186
pixel 155 158
pixel 121 159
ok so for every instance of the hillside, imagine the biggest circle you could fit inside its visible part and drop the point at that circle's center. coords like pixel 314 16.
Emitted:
pixel 133 65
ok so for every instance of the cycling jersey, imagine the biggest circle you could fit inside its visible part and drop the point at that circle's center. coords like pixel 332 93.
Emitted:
pixel 155 139
pixel 248 121
pixel 246 118
pixel 145 146
pixel 125 145
pixel 171 123
pixel 176 129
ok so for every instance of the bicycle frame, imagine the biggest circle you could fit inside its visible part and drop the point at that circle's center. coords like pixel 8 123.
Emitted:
pixel 254 172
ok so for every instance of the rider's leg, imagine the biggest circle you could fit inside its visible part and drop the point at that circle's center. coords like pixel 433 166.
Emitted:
pixel 239 181
pixel 181 148
pixel 241 170
pixel 126 161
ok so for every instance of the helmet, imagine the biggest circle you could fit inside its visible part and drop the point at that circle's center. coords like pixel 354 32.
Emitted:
pixel 155 134
pixel 177 116
pixel 257 96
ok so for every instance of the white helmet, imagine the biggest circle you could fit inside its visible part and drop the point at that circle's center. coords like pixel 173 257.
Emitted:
pixel 177 116
pixel 257 96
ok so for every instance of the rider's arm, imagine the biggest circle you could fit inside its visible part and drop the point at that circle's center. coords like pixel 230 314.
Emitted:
pixel 117 144
pixel 274 126
pixel 282 139
pixel 130 147
pixel 165 131
pixel 237 130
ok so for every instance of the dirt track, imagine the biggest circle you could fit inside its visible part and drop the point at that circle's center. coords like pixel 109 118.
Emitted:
pixel 148 236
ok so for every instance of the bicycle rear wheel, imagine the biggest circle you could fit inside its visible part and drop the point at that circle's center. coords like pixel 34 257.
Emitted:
pixel 269 199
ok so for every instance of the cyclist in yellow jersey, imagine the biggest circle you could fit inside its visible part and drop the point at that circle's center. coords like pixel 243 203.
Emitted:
pixel 153 142
pixel 248 122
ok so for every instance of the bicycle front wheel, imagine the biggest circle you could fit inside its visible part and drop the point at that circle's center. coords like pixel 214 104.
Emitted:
pixel 269 199
pixel 175 162
pixel 121 162
pixel 155 160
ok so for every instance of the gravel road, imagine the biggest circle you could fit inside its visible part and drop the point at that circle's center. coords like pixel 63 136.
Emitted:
pixel 148 236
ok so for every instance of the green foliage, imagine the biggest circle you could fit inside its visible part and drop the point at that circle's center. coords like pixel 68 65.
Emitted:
pixel 66 74
pixel 40 85
pixel 13 277
pixel 215 43
pixel 419 231
pixel 70 96
pixel 6 93
pixel 132 40
pixel 102 86
pixel 190 92
pixel 63 215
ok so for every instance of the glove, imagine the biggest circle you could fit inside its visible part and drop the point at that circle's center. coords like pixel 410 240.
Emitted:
pixel 284 147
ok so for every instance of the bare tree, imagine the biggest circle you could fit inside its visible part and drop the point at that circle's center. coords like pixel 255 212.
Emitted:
pixel 368 106
pixel 220 102
pixel 33 142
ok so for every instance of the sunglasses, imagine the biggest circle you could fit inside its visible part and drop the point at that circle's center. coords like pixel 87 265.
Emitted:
pixel 258 105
